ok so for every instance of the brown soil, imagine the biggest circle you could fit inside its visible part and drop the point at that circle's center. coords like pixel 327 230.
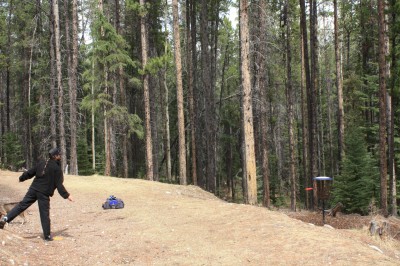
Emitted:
pixel 164 224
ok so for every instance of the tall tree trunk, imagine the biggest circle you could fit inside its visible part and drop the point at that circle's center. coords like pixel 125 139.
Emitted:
pixel 306 62
pixel 339 86
pixel 93 124
pixel 29 136
pixel 289 95
pixel 121 78
pixel 149 145
pixel 167 137
pixel 8 73
pixel 191 74
pixel 68 47
pixel 194 116
pixel 107 138
pixel 179 91
pixel 154 108
pixel 73 90
pixel 382 104
pixel 304 134
pixel 209 101
pixel 391 161
pixel 248 134
pixel 72 80
pixel 312 98
pixel 391 143
pixel 53 91
pixel 262 84
pixel 107 128
pixel 61 124
pixel 165 107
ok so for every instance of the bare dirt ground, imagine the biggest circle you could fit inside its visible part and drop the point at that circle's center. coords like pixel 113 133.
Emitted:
pixel 164 224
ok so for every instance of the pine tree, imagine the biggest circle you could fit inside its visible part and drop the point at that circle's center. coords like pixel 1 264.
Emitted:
pixel 358 183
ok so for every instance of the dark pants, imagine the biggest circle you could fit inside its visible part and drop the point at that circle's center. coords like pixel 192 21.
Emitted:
pixel 44 208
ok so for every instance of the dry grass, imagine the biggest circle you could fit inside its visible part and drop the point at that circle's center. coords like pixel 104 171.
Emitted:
pixel 165 224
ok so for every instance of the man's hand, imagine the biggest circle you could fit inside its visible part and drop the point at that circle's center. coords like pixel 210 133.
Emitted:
pixel 70 198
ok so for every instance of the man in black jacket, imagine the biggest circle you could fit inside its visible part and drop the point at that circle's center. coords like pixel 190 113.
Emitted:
pixel 49 177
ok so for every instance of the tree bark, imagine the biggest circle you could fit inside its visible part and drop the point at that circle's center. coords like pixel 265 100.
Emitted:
pixel 8 73
pixel 310 152
pixel 122 101
pixel 149 145
pixel 72 56
pixel 339 87
pixel 53 106
pixel 312 98
pixel 263 86
pixel 248 133
pixel 382 105
pixel 289 95
pixel 179 90
pixel 73 95
pixel 61 124
pixel 209 102
pixel 165 108
pixel 189 52
pixel 306 181
pixel 394 102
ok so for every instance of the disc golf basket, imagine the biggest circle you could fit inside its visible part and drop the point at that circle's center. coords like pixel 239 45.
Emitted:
pixel 323 191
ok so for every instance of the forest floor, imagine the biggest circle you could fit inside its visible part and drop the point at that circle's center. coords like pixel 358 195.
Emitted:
pixel 165 224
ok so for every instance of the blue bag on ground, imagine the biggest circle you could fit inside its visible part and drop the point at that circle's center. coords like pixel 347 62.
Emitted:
pixel 113 202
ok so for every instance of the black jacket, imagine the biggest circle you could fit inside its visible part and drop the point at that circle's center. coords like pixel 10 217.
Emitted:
pixel 46 182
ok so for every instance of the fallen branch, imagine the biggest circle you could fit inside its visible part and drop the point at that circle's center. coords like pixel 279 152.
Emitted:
pixel 332 212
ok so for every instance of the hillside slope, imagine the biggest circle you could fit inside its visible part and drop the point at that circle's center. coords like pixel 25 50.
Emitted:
pixel 165 224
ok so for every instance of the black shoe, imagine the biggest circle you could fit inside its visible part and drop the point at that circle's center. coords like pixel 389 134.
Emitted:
pixel 3 222
pixel 48 238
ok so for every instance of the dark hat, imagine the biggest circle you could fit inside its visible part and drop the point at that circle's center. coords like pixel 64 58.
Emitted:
pixel 54 152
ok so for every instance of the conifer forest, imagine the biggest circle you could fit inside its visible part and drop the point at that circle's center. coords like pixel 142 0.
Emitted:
pixel 247 99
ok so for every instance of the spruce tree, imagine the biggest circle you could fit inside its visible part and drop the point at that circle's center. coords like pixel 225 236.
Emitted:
pixel 358 183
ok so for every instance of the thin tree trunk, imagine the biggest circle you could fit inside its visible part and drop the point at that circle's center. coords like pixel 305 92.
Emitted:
pixel 30 148
pixel 339 87
pixel 249 153
pixel 191 74
pixel 310 145
pixel 194 116
pixel 73 91
pixel 121 78
pixel 304 124
pixel 72 83
pixel 53 106
pixel 149 145
pixel 289 95
pixel 107 147
pixel 312 98
pixel 61 124
pixel 382 104
pixel 179 90
pixel 262 84
pixel 8 73
pixel 224 65
pixel 107 129
pixel 391 164
pixel 209 102
pixel 68 47
pixel 165 108
pixel 93 125
pixel 392 158
pixel 25 96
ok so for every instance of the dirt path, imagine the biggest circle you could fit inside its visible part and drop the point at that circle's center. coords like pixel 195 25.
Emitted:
pixel 165 224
